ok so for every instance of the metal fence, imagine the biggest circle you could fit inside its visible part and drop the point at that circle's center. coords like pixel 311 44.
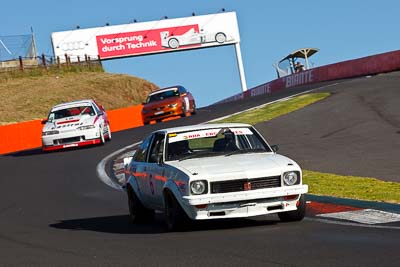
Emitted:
pixel 49 62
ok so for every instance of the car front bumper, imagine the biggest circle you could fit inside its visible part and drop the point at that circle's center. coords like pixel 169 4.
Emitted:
pixel 73 138
pixel 162 114
pixel 243 204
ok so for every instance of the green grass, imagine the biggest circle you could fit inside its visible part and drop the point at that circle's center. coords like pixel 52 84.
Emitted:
pixel 269 112
pixel 325 184
pixel 363 188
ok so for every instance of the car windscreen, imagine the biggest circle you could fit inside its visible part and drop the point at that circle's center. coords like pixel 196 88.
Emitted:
pixel 162 95
pixel 70 112
pixel 212 142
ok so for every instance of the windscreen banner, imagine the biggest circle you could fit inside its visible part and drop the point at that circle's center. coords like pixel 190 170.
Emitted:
pixel 135 39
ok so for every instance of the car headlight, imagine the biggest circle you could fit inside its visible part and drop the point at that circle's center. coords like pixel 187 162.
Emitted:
pixel 291 178
pixel 50 132
pixel 86 127
pixel 173 105
pixel 198 187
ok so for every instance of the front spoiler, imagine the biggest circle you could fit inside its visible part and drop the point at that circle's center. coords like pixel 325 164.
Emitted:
pixel 77 144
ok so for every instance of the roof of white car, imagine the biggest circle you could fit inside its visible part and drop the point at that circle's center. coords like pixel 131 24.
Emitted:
pixel 204 127
pixel 73 104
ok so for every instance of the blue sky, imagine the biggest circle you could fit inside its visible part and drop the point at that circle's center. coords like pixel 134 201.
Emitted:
pixel 341 29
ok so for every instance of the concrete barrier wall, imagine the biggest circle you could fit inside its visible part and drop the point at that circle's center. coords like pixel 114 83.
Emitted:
pixel 20 136
pixel 27 135
pixel 380 63
pixel 125 118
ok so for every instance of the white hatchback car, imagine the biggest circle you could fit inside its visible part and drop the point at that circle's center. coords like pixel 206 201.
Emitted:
pixel 212 171
pixel 73 124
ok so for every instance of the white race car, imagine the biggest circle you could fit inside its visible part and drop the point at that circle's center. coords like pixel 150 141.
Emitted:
pixel 73 124
pixel 212 171
pixel 193 37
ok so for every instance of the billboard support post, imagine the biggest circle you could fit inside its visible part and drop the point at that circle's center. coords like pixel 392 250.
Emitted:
pixel 240 67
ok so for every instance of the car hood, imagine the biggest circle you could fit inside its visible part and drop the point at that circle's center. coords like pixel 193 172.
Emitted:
pixel 236 166
pixel 69 123
pixel 161 103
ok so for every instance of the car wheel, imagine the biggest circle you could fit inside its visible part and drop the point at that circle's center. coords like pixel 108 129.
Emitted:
pixel 295 215
pixel 159 120
pixel 194 109
pixel 183 110
pixel 173 43
pixel 146 122
pixel 137 212
pixel 102 140
pixel 175 216
pixel 109 132
pixel 220 37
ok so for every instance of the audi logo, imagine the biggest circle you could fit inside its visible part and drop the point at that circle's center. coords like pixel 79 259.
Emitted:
pixel 68 46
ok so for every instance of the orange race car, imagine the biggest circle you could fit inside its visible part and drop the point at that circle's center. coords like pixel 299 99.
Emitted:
pixel 168 102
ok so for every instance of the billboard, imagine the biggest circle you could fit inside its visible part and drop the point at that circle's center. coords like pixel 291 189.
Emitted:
pixel 135 39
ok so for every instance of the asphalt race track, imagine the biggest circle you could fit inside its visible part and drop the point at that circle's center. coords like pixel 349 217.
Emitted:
pixel 54 210
pixel 356 131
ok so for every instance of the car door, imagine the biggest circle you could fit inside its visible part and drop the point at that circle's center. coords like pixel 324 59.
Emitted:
pixel 142 170
pixel 100 117
pixel 157 177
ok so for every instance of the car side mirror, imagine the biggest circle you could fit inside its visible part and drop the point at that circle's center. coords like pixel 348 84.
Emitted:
pixel 44 121
pixel 275 148
pixel 160 159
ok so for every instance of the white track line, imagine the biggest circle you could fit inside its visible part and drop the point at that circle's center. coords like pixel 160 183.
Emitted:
pixel 101 168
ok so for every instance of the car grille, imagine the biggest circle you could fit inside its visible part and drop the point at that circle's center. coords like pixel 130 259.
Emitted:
pixel 159 108
pixel 245 184
pixel 67 140
pixel 161 115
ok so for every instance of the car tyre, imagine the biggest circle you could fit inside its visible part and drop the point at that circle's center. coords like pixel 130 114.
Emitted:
pixel 146 122
pixel 102 139
pixel 137 212
pixel 109 132
pixel 173 43
pixel 175 216
pixel 194 109
pixel 183 110
pixel 220 37
pixel 295 215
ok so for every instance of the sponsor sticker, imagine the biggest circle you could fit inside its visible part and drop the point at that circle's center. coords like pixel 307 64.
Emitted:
pixel 70 145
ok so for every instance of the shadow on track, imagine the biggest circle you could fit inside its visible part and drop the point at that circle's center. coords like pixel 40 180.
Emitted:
pixel 121 225
pixel 24 153
pixel 39 151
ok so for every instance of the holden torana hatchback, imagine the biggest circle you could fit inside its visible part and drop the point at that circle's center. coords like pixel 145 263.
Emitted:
pixel 212 171
pixel 168 102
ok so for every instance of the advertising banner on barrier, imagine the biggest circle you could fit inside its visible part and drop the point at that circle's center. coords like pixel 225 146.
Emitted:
pixel 370 65
pixel 165 35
